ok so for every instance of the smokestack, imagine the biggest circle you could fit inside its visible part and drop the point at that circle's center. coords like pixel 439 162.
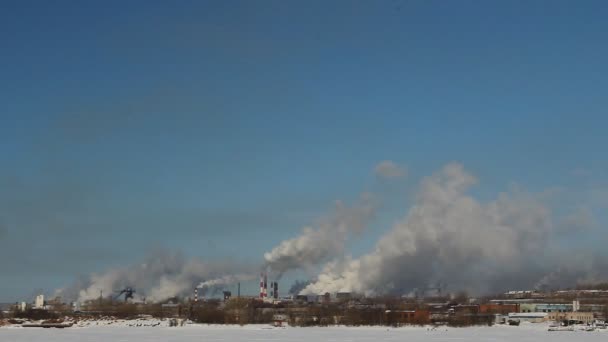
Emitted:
pixel 261 285
pixel 196 294
pixel 276 290
pixel 265 284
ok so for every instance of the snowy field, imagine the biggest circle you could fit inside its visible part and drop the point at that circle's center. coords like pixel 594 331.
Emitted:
pixel 204 333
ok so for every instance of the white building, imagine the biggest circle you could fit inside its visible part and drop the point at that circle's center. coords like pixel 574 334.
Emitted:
pixel 39 302
pixel 532 317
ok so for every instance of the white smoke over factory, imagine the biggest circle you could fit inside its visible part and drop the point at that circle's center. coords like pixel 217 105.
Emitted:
pixel 225 280
pixel 318 244
pixel 449 236
pixel 160 276
pixel 220 283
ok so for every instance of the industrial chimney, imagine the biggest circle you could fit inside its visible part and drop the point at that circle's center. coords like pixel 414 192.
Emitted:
pixel 262 285
pixel 265 285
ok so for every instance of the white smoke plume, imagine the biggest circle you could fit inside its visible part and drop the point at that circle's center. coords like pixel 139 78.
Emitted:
pixel 218 283
pixel 388 169
pixel 449 236
pixel 317 245
pixel 160 276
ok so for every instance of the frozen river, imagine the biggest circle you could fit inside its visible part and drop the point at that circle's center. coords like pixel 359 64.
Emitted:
pixel 263 333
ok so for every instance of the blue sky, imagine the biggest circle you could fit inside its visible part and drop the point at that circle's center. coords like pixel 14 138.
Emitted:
pixel 221 128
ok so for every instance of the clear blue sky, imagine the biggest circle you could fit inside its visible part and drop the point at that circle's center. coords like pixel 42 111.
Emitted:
pixel 219 128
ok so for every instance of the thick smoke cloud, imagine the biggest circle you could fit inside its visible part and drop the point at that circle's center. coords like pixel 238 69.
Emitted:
pixel 317 245
pixel 160 276
pixel 449 236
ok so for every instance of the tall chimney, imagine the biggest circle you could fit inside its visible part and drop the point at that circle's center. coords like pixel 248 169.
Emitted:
pixel 261 285
pixel 265 285
pixel 276 290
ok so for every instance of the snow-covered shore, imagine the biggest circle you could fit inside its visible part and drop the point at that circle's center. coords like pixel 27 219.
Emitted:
pixel 149 330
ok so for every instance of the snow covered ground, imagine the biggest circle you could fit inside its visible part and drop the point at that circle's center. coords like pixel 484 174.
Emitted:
pixel 252 333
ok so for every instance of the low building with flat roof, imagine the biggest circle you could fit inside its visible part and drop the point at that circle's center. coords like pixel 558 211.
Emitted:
pixel 583 317
pixel 532 317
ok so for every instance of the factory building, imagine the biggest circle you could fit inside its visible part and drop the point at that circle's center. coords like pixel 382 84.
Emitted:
pixel 545 307
pixel 402 317
pixel 503 309
pixel 578 317
pixel 532 317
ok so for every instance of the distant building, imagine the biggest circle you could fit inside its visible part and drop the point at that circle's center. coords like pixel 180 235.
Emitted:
pixel 578 317
pixel 532 317
pixel 400 317
pixel 464 309
pixel 280 320
pixel 503 309
pixel 591 293
pixel 39 302
pixel 545 307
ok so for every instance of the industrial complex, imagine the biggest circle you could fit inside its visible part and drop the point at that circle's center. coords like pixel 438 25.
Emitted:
pixel 564 308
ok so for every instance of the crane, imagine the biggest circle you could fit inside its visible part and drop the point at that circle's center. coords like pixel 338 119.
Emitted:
pixel 127 291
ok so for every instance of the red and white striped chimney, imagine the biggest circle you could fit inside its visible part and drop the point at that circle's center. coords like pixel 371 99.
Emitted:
pixel 265 285
pixel 261 285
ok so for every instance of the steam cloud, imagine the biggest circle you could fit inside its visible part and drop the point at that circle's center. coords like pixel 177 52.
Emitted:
pixel 449 236
pixel 315 246
pixel 217 283
pixel 388 169
pixel 160 276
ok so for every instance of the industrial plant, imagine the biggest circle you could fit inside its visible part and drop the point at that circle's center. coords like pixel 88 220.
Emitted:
pixel 434 305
